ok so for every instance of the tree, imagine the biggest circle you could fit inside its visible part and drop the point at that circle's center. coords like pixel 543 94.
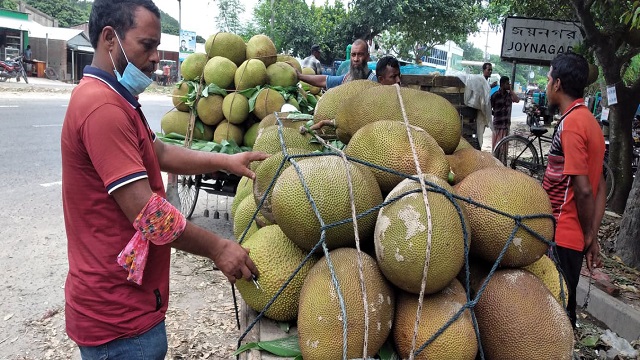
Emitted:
pixel 471 52
pixel 228 15
pixel 628 242
pixel 67 12
pixel 8 4
pixel 608 41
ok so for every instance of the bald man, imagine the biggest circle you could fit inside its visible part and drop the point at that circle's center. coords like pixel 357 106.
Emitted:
pixel 358 69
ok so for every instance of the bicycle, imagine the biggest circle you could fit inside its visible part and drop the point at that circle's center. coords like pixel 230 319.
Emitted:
pixel 519 153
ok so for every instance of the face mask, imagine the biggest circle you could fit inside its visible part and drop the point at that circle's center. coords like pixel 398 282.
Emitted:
pixel 132 79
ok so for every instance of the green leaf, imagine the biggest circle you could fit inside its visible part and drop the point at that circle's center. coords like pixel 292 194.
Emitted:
pixel 299 116
pixel 387 352
pixel 199 125
pixel 287 347
pixel 215 90
pixel 590 341
pixel 245 347
pixel 252 97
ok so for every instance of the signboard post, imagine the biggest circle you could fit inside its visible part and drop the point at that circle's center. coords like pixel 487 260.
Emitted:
pixel 187 43
pixel 537 41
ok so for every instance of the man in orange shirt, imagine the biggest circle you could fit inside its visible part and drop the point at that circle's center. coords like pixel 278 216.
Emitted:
pixel 573 178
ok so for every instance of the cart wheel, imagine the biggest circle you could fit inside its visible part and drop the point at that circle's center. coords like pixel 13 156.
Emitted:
pixel 188 189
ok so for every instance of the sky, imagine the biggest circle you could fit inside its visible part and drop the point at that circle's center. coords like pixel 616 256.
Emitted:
pixel 199 16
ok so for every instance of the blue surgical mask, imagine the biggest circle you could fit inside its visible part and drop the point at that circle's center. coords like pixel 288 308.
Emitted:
pixel 132 78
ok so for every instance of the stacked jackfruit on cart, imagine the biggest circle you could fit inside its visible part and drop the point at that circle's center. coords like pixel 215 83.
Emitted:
pixel 391 237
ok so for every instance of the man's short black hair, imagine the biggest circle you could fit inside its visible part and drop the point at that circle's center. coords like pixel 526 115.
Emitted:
pixel 572 70
pixel 118 14
pixel 315 48
pixel 388 60
pixel 486 65
pixel 504 79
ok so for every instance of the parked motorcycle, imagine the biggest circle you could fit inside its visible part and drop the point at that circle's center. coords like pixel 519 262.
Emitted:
pixel 13 68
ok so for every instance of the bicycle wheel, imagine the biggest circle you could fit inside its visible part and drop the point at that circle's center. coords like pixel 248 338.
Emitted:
pixel 608 178
pixel 516 152
pixel 188 189
pixel 24 75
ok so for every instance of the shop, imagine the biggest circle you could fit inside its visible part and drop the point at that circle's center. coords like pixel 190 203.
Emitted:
pixel 14 33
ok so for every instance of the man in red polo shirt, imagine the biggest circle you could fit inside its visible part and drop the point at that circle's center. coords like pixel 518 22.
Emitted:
pixel 117 288
pixel 573 178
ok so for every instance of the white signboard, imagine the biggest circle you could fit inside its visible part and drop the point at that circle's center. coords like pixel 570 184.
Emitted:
pixel 538 41
pixel 612 97
pixel 187 43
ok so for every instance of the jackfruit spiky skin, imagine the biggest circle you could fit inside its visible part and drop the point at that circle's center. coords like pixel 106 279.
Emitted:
pixel 465 161
pixel 327 106
pixel 519 318
pixel 401 237
pixel 178 97
pixel 546 270
pixel 228 131
pixel 513 193
pixel 245 187
pixel 386 143
pixel 281 74
pixel 250 135
pixel 228 45
pixel 458 341
pixel 250 73
pixel 289 60
pixel 235 108
pixel 193 65
pixel 265 174
pixel 426 110
pixel 268 140
pixel 276 258
pixel 210 109
pixel 320 319
pixel 326 179
pixel 178 122
pixel 268 101
pixel 261 47
pixel 243 216
pixel 220 71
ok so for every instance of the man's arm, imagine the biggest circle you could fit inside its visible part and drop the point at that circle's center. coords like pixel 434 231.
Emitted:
pixel 514 96
pixel 314 80
pixel 593 251
pixel 180 160
pixel 586 207
pixel 229 256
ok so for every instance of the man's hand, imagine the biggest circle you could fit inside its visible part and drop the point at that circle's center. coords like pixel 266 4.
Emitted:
pixel 239 163
pixel 592 255
pixel 234 262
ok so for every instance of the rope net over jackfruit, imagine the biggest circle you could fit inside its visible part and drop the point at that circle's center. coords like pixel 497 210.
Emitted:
pixel 482 286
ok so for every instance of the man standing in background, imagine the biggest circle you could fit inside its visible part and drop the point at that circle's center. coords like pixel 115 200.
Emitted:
pixel 501 103
pixel 313 61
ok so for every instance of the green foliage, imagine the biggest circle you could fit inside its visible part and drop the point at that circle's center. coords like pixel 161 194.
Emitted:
pixel 227 18
pixel 67 12
pixel 168 24
pixel 632 16
pixel 471 52
pixel 428 24
pixel 8 4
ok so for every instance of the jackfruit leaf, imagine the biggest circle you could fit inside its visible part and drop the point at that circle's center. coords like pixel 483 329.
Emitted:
pixel 190 98
pixel 201 145
pixel 299 116
pixel 199 125
pixel 252 95
pixel 213 89
pixel 386 352
pixel 312 100
pixel 286 347
pixel 590 341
